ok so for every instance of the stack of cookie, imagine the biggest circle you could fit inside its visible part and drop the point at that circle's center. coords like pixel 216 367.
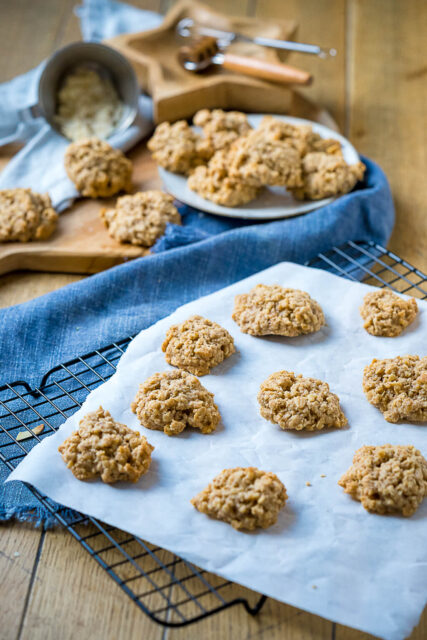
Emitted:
pixel 231 162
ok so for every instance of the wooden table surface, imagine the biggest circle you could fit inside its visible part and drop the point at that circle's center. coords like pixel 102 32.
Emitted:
pixel 376 89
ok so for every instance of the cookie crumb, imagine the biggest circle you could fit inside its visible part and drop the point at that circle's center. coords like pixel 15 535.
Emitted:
pixel 308 484
pixel 322 475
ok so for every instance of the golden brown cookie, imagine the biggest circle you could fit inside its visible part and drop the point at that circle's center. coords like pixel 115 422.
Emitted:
pixel 197 345
pixel 221 128
pixel 174 400
pixel 272 309
pixel 325 175
pixel 387 479
pixel 387 314
pixel 244 497
pixel 102 447
pixel 140 218
pixel 294 402
pixel 213 182
pixel 25 216
pixel 176 147
pixel 302 136
pixel 398 387
pixel 97 170
pixel 260 160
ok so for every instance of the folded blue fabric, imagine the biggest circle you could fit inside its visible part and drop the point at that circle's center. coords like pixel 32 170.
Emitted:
pixel 205 254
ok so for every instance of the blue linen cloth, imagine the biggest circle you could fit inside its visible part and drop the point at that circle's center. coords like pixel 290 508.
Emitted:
pixel 204 255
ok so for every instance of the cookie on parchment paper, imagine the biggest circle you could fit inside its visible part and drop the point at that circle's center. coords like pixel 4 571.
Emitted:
pixel 245 497
pixel 173 400
pixel 298 403
pixel 387 314
pixel 276 310
pixel 104 448
pixel 387 479
pixel 197 345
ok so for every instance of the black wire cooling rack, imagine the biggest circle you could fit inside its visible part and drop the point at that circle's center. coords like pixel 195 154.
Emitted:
pixel 172 591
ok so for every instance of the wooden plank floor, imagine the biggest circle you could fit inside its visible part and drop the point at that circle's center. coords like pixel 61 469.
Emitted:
pixel 376 89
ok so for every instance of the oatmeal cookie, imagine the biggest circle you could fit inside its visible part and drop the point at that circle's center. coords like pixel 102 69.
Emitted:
pixel 302 137
pixel 386 314
pixel 102 447
pixel 326 175
pixel 25 216
pixel 173 400
pixel 176 147
pixel 221 128
pixel 244 497
pixel 141 218
pixel 213 182
pixel 272 309
pixel 398 387
pixel 387 479
pixel 260 160
pixel 294 402
pixel 97 170
pixel 197 345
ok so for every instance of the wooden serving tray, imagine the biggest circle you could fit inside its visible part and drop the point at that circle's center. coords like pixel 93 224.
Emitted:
pixel 178 93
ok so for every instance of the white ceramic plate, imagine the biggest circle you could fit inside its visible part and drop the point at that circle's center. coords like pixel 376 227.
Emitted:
pixel 273 202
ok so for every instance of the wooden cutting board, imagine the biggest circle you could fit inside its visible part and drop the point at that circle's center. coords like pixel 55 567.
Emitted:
pixel 81 243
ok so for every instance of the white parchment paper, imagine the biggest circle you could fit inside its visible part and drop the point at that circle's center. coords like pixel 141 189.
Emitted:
pixel 370 571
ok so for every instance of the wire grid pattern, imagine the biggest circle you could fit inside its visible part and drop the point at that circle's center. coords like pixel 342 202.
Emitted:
pixel 172 591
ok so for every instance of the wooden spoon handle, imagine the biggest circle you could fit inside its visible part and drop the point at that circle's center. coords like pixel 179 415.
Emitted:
pixel 273 71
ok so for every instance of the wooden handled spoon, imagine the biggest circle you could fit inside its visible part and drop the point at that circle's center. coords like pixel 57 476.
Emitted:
pixel 205 52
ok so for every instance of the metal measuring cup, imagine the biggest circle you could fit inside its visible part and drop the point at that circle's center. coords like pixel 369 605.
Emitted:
pixel 107 62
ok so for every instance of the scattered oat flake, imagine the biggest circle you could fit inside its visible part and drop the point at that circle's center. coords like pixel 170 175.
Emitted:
pixel 23 435
pixel 16 554
pixel 322 475
pixel 314 586
pixel 308 484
